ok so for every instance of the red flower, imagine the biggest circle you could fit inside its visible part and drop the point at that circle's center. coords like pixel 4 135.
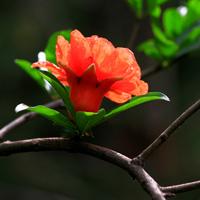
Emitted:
pixel 93 68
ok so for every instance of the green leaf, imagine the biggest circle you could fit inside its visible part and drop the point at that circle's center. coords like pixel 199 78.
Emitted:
pixel 154 7
pixel 150 49
pixel 33 73
pixel 135 101
pixel 137 6
pixel 86 120
pixel 167 47
pixel 173 22
pixel 51 45
pixel 49 113
pixel 62 91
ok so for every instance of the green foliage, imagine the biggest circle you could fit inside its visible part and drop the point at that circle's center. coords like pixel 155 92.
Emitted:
pixel 53 115
pixel 33 73
pixel 178 34
pixel 135 101
pixel 62 91
pixel 153 7
pixel 86 120
pixel 50 48
pixel 137 6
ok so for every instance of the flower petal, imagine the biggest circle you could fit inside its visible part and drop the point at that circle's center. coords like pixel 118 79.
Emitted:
pixel 59 73
pixel 100 48
pixel 121 62
pixel 62 52
pixel 80 57
pixel 118 97
pixel 141 88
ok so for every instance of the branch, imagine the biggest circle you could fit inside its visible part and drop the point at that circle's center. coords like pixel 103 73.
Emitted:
pixel 169 131
pixel 152 70
pixel 25 118
pixel 134 33
pixel 182 187
pixel 73 146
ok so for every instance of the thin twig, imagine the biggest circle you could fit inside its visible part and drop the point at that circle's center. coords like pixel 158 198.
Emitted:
pixel 168 132
pixel 73 146
pixel 152 70
pixel 134 33
pixel 25 118
pixel 185 187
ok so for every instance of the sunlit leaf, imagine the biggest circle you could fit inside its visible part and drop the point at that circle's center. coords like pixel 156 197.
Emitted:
pixel 51 45
pixel 49 113
pixel 135 101
pixel 62 91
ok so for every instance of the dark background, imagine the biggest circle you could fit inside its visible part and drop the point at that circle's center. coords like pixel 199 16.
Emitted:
pixel 25 28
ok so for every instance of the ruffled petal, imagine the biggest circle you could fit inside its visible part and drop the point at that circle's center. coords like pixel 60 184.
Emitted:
pixel 59 73
pixel 141 88
pixel 62 52
pixel 80 57
pixel 121 62
pixel 121 91
pixel 118 96
pixel 100 48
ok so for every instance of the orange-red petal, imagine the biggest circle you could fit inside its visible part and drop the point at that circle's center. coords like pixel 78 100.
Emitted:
pixel 121 62
pixel 100 48
pixel 59 73
pixel 118 96
pixel 62 52
pixel 80 57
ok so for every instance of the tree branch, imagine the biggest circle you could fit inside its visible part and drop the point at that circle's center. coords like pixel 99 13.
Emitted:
pixel 182 187
pixel 152 70
pixel 25 118
pixel 168 132
pixel 73 146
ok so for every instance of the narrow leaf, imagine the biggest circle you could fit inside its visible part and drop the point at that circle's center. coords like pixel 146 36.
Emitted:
pixel 49 113
pixel 62 91
pixel 135 101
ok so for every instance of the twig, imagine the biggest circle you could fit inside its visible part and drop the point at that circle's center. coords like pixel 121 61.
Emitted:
pixel 134 33
pixel 25 118
pixel 168 132
pixel 152 70
pixel 182 187
pixel 72 146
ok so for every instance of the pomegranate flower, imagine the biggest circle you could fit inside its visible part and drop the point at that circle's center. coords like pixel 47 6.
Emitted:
pixel 93 68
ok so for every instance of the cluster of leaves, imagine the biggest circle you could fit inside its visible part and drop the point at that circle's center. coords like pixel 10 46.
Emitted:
pixel 74 122
pixel 147 7
pixel 176 30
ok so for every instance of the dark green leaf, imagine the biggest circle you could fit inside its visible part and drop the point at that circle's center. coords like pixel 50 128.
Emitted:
pixel 33 73
pixel 135 101
pixel 86 120
pixel 51 45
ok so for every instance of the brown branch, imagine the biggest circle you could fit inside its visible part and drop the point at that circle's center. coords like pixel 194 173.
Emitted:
pixel 134 33
pixel 169 131
pixel 152 70
pixel 185 187
pixel 25 118
pixel 72 146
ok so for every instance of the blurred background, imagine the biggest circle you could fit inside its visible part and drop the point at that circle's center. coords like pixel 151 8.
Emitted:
pixel 25 29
